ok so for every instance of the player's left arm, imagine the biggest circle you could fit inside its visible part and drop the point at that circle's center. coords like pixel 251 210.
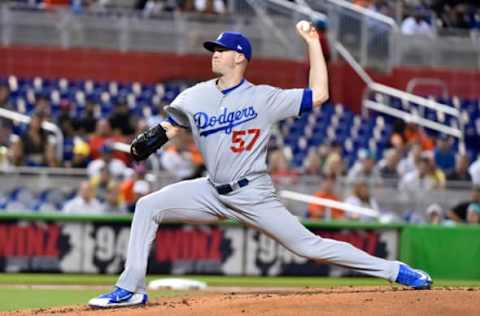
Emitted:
pixel 318 75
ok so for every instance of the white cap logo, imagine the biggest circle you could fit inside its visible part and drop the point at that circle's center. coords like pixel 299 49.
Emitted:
pixel 239 47
pixel 219 37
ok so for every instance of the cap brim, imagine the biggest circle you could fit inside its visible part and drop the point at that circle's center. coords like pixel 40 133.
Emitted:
pixel 211 45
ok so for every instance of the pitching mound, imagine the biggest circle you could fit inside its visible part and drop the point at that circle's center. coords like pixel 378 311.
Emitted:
pixel 337 301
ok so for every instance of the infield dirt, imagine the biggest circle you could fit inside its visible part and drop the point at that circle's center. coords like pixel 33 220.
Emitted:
pixel 283 302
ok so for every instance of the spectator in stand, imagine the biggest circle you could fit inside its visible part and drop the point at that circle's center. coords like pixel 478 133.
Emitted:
pixel 155 7
pixel 182 159
pixel 42 106
pixel 363 3
pixel 388 166
pixel 141 126
pixel 51 155
pixel 364 168
pixel 458 213
pixel 5 124
pixel 334 163
pixel 50 4
pixel 397 138
pixel 81 154
pixel 280 170
pixel 473 213
pixel 416 24
pixel 66 123
pixel 456 14
pixel 327 191
pixel 409 163
pixel 103 134
pixel 426 177
pixel 126 187
pixel 87 124
pixel 34 142
pixel 434 214
pixel 101 182
pixel 15 151
pixel 460 172
pixel 444 154
pixel 361 196
pixel 140 189
pixel 415 134
pixel 157 117
pixel 84 203
pixel 474 171
pixel 313 163
pixel 113 201
pixel 4 95
pixel 115 166
pixel 121 121
pixel 405 135
pixel 65 120
pixel 205 6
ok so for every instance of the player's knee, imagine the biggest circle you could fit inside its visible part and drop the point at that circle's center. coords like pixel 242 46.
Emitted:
pixel 307 248
pixel 304 251
pixel 144 204
pixel 151 203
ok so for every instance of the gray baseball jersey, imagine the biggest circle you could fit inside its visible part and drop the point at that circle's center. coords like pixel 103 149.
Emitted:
pixel 232 127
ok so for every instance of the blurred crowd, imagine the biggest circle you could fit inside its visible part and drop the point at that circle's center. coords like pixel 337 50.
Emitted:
pixel 424 16
pixel 415 163
pixel 90 142
pixel 415 16
pixel 148 7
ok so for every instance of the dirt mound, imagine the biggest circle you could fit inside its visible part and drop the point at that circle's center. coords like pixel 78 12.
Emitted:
pixel 336 301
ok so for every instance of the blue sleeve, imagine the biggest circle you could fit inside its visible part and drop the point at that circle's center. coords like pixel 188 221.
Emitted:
pixel 175 123
pixel 307 101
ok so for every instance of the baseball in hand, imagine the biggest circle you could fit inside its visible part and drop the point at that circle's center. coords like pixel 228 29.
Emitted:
pixel 304 26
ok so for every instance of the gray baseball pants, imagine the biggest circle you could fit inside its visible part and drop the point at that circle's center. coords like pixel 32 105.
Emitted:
pixel 256 205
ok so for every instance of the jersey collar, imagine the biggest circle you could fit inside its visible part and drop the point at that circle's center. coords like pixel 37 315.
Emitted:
pixel 226 91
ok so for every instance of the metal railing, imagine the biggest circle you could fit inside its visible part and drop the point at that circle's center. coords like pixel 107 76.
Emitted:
pixel 369 36
pixel 387 193
pixel 412 84
pixel 372 38
pixel 375 40
pixel 409 116
pixel 372 86
pixel 177 32
pixel 405 114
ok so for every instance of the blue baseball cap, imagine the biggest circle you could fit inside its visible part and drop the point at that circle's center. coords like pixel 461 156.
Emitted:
pixel 232 41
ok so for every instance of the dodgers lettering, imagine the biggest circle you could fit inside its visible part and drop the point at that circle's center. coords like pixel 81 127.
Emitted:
pixel 225 121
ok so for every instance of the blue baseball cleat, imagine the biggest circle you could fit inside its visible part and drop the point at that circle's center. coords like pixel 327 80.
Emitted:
pixel 416 279
pixel 118 298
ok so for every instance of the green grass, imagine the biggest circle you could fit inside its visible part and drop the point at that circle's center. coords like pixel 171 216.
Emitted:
pixel 27 298
pixel 94 279
pixel 20 298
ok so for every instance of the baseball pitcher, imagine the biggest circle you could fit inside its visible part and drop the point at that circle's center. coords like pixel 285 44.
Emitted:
pixel 231 121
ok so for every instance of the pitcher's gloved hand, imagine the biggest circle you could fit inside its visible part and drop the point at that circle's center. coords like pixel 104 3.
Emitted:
pixel 148 142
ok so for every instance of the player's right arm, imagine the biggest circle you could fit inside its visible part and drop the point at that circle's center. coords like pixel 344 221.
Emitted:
pixel 318 75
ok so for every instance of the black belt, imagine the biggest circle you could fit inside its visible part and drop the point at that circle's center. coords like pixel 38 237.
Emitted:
pixel 227 188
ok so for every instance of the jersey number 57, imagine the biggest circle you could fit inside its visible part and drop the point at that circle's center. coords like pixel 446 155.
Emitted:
pixel 240 138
